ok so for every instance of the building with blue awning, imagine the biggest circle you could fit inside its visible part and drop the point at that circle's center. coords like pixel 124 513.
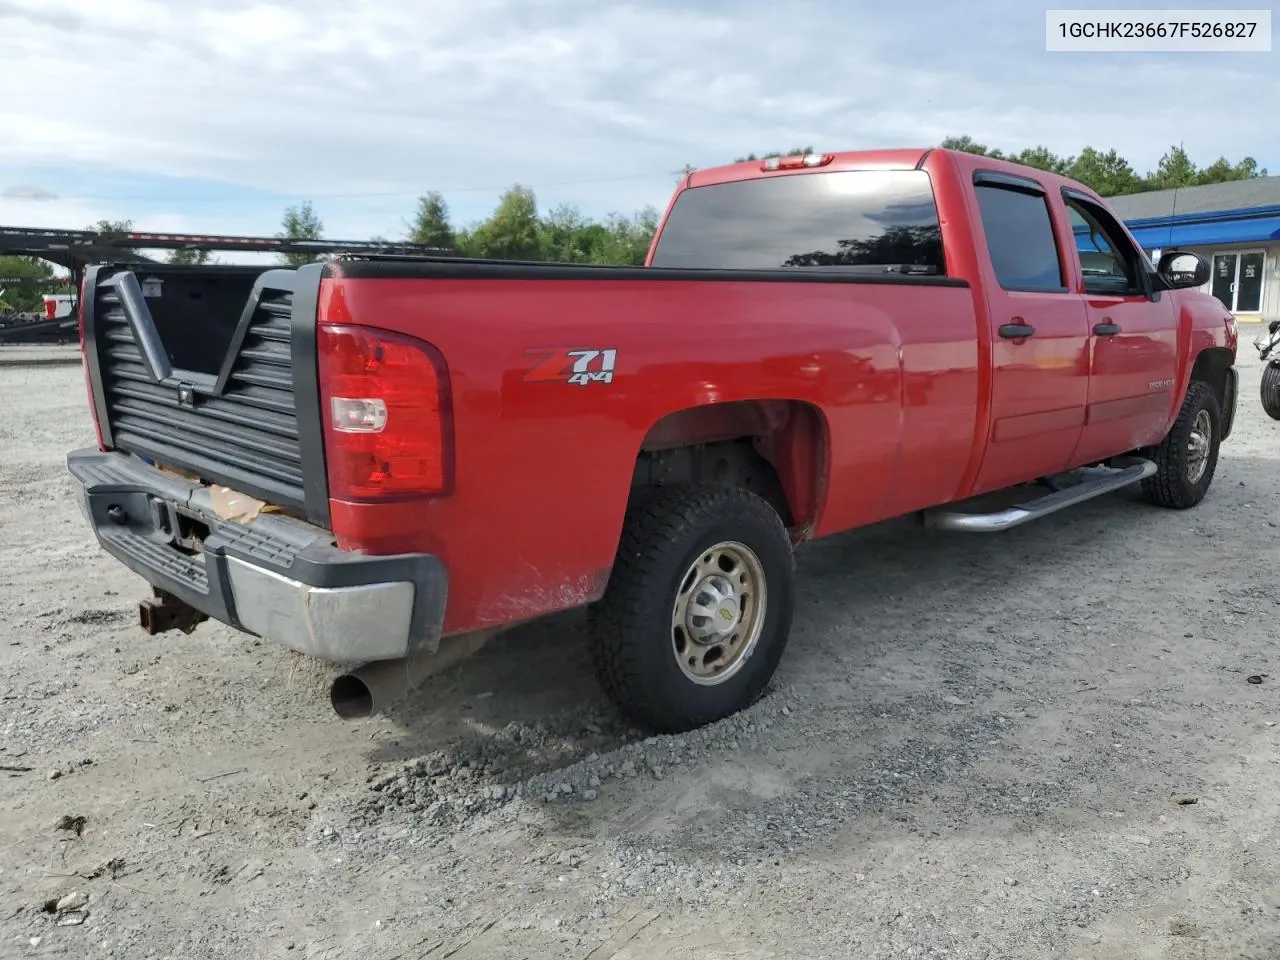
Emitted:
pixel 1236 226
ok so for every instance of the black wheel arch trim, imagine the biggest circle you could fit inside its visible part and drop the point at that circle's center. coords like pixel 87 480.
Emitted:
pixel 1230 401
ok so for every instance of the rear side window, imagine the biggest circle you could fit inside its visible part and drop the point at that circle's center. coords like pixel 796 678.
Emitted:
pixel 1020 239
pixel 864 221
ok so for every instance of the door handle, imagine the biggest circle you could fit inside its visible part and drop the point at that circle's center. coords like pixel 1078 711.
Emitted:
pixel 1106 328
pixel 1016 331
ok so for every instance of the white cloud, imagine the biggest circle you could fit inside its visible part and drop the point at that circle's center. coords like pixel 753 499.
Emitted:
pixel 324 97
pixel 27 191
pixel 54 215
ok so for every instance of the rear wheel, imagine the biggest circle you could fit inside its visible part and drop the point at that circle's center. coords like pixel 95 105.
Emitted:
pixel 1187 457
pixel 1271 390
pixel 698 607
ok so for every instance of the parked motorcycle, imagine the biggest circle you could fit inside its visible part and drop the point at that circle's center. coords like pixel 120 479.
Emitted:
pixel 1270 389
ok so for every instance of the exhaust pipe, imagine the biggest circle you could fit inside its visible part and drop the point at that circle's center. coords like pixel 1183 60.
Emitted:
pixel 371 687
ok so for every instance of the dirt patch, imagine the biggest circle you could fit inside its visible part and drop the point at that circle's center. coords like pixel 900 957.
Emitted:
pixel 98 618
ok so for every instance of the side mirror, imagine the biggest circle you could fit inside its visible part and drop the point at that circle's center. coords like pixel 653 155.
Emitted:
pixel 1180 269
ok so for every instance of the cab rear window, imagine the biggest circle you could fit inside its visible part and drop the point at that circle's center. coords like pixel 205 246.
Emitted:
pixel 863 221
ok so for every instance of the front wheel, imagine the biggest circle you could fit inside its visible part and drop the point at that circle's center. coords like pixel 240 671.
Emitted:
pixel 1270 390
pixel 1187 457
pixel 698 607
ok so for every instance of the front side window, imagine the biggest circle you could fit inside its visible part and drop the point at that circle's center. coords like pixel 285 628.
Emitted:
pixel 862 221
pixel 1107 260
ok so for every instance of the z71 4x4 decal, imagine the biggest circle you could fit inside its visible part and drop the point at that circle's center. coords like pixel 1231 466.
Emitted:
pixel 578 366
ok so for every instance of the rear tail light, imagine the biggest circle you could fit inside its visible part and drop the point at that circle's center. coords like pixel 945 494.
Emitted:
pixel 81 307
pixel 387 415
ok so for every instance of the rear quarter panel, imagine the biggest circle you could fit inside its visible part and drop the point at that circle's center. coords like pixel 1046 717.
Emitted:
pixel 543 469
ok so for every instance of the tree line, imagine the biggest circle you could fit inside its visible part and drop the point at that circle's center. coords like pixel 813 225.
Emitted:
pixel 518 230
pixel 1111 175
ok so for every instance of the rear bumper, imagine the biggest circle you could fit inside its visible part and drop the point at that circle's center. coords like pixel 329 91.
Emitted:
pixel 275 577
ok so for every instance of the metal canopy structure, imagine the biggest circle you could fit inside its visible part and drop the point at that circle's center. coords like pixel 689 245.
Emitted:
pixel 76 249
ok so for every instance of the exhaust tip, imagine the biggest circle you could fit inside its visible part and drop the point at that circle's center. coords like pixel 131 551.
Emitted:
pixel 371 687
pixel 351 698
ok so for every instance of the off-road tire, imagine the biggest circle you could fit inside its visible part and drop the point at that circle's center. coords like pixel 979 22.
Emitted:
pixel 1171 485
pixel 1270 390
pixel 664 532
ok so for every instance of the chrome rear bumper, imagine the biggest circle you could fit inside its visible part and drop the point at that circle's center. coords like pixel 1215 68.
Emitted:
pixel 275 577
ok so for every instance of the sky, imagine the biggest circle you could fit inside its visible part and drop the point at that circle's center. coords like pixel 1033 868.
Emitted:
pixel 212 116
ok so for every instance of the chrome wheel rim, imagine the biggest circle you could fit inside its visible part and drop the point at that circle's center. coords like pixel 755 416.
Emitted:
pixel 718 614
pixel 1198 446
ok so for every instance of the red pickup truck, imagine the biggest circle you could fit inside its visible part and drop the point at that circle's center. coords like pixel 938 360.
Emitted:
pixel 385 460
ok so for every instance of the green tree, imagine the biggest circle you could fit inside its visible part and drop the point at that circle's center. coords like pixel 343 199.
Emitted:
pixel 793 152
pixel 511 232
pixel 1174 170
pixel 1108 174
pixel 626 241
pixel 1222 171
pixel 969 145
pixel 114 226
pixel 618 240
pixel 190 258
pixel 300 223
pixel 1248 169
pixel 1042 158
pixel 566 236
pixel 431 224
pixel 32 276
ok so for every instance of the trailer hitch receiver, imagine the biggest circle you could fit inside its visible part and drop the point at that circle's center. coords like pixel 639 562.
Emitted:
pixel 166 612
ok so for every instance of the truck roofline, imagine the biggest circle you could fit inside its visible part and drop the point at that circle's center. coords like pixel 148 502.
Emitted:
pixel 903 158
pixel 896 159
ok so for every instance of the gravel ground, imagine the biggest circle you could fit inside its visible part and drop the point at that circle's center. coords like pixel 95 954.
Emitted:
pixel 38 354
pixel 1039 744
